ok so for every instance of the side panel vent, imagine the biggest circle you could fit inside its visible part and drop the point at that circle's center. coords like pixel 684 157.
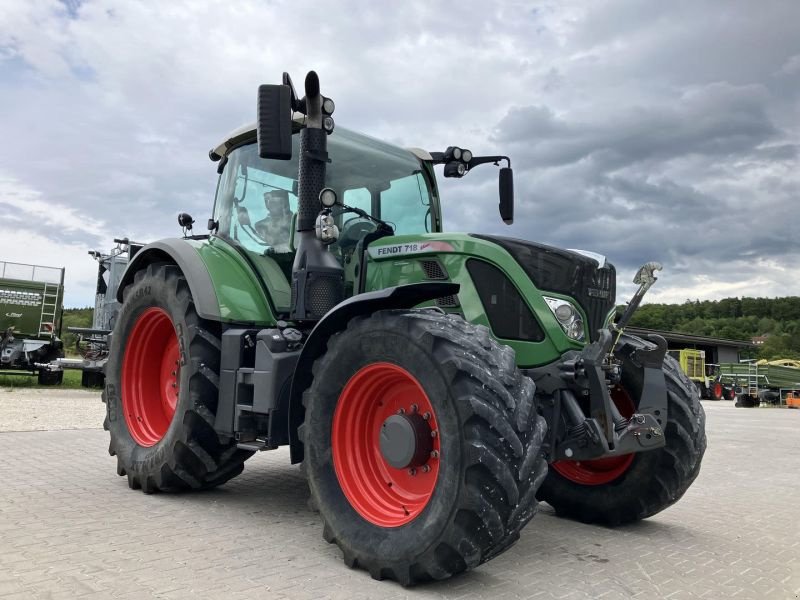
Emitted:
pixel 433 269
pixel 447 302
pixel 508 314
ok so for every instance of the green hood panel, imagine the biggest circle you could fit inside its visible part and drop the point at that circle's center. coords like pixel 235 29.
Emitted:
pixel 397 260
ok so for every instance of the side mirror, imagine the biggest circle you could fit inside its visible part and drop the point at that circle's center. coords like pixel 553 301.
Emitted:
pixel 274 122
pixel 186 221
pixel 507 195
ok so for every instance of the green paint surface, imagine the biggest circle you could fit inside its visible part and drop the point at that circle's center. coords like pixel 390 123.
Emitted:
pixel 239 294
pixel 402 269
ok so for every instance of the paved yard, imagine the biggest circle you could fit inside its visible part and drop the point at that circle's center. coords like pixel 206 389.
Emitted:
pixel 69 527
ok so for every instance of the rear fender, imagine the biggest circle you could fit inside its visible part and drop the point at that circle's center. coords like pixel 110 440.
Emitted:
pixel 404 296
pixel 224 286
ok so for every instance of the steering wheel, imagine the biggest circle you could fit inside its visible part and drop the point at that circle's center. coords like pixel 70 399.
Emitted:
pixel 353 230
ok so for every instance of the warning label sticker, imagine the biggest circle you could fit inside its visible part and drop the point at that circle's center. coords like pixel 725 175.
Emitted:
pixel 410 248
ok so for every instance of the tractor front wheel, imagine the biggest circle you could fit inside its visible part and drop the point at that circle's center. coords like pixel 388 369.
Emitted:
pixel 422 445
pixel 161 389
pixel 618 490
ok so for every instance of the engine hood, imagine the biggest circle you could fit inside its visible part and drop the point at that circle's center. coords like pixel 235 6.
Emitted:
pixel 589 279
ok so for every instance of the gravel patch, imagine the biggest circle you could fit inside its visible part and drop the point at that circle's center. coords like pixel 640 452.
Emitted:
pixel 35 409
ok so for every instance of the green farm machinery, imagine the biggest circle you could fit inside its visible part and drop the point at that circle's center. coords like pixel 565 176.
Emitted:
pixel 31 301
pixel 424 380
pixel 761 383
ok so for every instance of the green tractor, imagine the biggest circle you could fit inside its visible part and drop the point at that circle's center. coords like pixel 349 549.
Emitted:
pixel 423 379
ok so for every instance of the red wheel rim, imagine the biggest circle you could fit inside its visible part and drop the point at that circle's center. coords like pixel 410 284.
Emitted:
pixel 380 493
pixel 717 390
pixel 150 377
pixel 601 470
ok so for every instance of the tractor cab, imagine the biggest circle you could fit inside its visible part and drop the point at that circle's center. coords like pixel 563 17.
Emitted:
pixel 257 200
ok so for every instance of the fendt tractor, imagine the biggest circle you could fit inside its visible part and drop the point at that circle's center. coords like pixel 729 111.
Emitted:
pixel 424 380
pixel 31 302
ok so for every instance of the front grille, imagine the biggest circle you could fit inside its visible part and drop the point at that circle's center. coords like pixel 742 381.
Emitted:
pixel 551 269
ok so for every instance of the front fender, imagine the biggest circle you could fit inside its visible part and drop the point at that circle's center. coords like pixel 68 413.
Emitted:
pixel 403 296
pixel 224 286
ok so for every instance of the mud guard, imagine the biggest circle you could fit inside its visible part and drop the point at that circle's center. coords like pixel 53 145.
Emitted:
pixel 403 296
pixel 191 265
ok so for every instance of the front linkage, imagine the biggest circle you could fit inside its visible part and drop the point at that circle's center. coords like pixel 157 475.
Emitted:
pixel 586 377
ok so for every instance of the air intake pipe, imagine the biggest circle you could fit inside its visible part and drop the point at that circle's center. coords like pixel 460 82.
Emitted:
pixel 317 277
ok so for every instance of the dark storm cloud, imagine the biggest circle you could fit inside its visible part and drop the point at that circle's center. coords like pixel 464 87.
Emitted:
pixel 716 120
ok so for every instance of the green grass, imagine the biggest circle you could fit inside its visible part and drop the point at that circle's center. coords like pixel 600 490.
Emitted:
pixel 72 380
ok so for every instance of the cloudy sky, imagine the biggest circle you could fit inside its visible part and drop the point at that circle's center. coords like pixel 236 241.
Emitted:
pixel 641 130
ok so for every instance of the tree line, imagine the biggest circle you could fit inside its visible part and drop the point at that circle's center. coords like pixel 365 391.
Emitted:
pixel 729 318
pixel 733 319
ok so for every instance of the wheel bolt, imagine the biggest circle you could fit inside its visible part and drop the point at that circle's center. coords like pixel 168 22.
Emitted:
pixel 426 468
pixel 434 454
pixel 426 416
pixel 412 471
pixel 414 408
pixel 434 433
pixel 402 411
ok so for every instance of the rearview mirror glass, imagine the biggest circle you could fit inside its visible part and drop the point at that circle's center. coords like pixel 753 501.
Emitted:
pixel 507 195
pixel 274 122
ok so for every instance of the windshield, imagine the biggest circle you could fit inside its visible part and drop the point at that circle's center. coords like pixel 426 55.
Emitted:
pixel 257 198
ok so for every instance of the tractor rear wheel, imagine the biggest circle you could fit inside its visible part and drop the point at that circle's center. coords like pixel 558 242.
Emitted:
pixel 422 445
pixel 618 490
pixel 161 389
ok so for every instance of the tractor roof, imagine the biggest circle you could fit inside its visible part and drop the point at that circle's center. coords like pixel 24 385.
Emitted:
pixel 248 132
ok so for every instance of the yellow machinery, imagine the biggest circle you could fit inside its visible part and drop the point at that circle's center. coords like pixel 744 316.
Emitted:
pixel 693 363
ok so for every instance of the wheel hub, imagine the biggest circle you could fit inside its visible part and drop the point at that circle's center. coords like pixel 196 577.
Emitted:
pixel 386 445
pixel 406 441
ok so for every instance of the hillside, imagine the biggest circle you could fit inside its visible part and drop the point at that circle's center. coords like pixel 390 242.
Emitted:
pixel 732 318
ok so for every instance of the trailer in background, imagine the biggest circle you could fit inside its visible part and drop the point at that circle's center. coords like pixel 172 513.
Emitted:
pixel 31 304
pixel 762 383
pixel 92 342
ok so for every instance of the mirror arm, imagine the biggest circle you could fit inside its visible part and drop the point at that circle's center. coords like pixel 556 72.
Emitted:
pixel 482 160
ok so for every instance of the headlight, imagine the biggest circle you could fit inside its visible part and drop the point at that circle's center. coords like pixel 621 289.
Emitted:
pixel 568 317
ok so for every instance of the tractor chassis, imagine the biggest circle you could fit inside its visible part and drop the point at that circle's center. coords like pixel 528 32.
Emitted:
pixel 264 371
pixel 588 375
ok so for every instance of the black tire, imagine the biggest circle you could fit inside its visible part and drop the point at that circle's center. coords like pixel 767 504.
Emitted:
pixel 190 455
pixel 655 479
pixel 702 390
pixel 491 435
pixel 46 377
